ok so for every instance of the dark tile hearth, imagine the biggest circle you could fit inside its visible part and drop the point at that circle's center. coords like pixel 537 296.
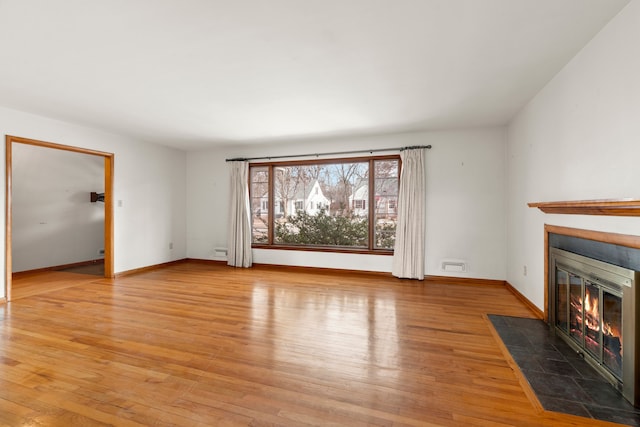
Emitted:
pixel 561 380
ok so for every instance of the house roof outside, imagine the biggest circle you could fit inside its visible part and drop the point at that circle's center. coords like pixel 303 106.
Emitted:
pixel 304 191
pixel 384 188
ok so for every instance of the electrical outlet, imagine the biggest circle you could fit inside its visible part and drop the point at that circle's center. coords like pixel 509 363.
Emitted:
pixel 524 270
pixel 170 245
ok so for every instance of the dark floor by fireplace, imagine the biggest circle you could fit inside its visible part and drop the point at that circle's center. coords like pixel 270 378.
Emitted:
pixel 561 380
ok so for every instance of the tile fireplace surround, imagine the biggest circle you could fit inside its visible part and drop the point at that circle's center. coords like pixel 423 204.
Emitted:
pixel 560 379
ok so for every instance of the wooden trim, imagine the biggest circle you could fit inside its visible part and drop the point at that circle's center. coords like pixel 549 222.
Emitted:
pixel 56 146
pixel 109 245
pixel 534 309
pixel 463 281
pixel 371 197
pixel 626 240
pixel 271 202
pixel 57 267
pixel 611 207
pixel 337 249
pixel 8 261
pixel 108 202
pixel 326 270
pixel 206 261
pixel 148 268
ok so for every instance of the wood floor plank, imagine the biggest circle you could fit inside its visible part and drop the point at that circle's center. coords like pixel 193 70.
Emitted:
pixel 28 284
pixel 199 344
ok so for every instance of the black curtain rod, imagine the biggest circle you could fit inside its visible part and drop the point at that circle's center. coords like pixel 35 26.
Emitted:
pixel 243 159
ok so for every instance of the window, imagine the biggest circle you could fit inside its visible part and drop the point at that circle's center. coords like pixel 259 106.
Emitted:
pixel 259 196
pixel 386 193
pixel 326 204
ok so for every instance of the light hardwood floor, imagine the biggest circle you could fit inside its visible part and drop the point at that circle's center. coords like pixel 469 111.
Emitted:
pixel 200 344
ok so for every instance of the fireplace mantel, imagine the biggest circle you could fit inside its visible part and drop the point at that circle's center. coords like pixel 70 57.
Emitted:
pixel 611 207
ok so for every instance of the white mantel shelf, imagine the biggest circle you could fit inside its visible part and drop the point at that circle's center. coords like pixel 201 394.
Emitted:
pixel 611 207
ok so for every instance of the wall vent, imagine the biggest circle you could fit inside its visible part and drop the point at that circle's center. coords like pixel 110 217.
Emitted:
pixel 453 266
pixel 220 253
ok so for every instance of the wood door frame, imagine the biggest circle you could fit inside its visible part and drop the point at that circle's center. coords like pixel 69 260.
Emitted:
pixel 108 202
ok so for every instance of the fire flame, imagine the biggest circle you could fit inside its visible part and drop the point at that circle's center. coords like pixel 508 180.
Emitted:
pixel 591 316
pixel 591 311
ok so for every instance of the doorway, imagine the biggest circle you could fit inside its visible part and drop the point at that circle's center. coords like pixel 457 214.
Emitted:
pixel 108 202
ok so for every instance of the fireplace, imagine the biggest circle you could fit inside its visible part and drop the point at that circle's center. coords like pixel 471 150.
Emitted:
pixel 592 307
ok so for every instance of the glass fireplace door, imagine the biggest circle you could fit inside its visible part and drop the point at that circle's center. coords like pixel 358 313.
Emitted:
pixel 612 332
pixel 591 314
pixel 562 300
pixel 593 307
pixel 576 324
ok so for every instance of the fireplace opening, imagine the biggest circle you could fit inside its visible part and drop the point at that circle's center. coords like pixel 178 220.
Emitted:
pixel 593 318
pixel 592 307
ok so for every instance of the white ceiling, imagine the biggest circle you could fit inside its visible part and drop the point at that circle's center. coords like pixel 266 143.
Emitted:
pixel 198 73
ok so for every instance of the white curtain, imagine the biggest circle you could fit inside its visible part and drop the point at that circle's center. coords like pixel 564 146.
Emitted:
pixel 239 240
pixel 408 256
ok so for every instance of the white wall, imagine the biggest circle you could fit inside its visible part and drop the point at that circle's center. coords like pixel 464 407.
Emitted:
pixel 54 221
pixel 465 201
pixel 149 179
pixel 579 138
